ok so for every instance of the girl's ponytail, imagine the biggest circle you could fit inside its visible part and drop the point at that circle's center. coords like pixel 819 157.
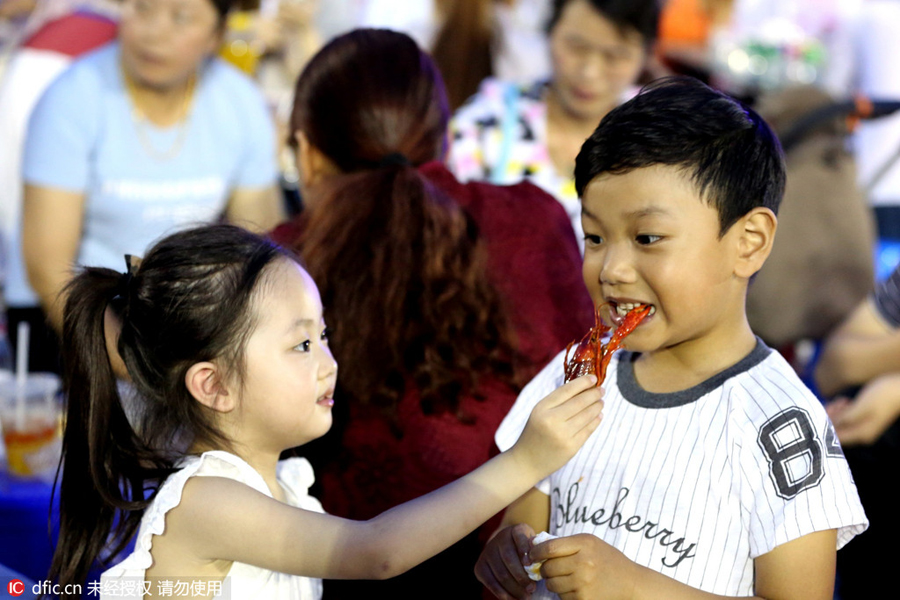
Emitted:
pixel 105 465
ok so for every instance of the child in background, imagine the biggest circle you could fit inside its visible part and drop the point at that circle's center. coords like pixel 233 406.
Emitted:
pixel 715 472
pixel 223 338
pixel 507 133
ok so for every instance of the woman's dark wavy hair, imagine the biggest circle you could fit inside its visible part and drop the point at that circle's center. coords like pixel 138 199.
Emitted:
pixel 400 267
pixel 731 155
pixel 189 301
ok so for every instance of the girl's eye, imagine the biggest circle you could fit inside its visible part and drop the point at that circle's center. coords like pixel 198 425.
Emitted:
pixel 325 333
pixel 592 240
pixel 302 346
pixel 647 239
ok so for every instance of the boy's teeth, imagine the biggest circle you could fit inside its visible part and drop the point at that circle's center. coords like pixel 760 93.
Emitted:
pixel 623 308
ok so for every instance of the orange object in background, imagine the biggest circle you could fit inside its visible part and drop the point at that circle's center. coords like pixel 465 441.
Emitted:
pixel 684 22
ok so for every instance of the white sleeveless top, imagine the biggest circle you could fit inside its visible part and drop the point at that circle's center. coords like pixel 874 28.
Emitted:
pixel 243 582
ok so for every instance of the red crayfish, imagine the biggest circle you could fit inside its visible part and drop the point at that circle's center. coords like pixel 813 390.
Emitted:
pixel 591 354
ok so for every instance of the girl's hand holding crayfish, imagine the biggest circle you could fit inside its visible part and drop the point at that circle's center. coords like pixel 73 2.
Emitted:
pixel 559 425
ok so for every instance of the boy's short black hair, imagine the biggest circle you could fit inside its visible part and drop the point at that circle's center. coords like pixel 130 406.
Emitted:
pixel 640 15
pixel 730 153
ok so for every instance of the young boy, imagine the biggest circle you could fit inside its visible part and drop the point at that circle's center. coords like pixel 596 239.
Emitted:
pixel 714 471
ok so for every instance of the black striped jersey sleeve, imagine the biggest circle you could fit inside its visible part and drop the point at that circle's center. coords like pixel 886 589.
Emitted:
pixel 886 298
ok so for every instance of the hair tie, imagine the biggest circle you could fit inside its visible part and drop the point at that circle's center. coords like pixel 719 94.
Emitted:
pixel 394 159
pixel 132 263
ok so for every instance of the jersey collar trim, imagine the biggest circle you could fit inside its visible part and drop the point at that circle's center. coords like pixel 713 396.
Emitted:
pixel 635 394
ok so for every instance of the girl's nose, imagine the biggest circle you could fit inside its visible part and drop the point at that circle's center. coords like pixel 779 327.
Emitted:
pixel 328 366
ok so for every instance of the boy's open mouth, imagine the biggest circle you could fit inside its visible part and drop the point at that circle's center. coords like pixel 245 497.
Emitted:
pixel 621 309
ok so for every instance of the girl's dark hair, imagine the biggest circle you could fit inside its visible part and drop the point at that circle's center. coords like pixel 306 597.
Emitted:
pixel 463 46
pixel 189 301
pixel 640 15
pixel 400 266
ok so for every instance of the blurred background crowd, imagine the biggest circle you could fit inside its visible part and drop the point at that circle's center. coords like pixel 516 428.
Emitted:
pixel 102 156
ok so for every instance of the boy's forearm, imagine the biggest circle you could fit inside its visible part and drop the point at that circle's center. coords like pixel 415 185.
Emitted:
pixel 802 569
pixel 652 585
pixel 532 508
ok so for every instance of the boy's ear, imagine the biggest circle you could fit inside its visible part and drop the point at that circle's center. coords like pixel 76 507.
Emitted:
pixel 204 382
pixel 755 241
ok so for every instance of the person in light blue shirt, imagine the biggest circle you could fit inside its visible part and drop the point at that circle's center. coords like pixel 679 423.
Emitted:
pixel 145 136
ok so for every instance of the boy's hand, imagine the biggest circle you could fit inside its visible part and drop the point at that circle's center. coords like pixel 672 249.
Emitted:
pixel 501 566
pixel 585 567
pixel 559 425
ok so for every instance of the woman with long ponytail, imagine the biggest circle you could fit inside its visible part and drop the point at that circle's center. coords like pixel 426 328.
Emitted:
pixel 445 297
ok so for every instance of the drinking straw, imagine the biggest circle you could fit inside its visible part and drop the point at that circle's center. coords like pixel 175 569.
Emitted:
pixel 24 335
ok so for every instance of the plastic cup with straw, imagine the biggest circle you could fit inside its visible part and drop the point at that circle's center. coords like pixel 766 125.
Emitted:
pixel 24 339
pixel 30 416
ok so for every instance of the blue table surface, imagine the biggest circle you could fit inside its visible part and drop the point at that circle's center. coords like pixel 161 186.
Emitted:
pixel 26 546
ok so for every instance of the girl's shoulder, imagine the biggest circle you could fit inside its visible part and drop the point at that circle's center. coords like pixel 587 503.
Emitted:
pixel 169 497
pixel 213 474
pixel 294 474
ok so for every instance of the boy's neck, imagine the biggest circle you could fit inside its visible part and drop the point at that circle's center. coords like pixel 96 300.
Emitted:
pixel 690 363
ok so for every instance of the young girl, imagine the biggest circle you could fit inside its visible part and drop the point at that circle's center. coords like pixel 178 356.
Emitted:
pixel 223 338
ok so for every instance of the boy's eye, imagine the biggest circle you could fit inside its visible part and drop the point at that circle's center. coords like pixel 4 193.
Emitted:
pixel 302 346
pixel 592 240
pixel 647 239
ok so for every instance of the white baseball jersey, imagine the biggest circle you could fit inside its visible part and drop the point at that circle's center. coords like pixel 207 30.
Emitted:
pixel 696 484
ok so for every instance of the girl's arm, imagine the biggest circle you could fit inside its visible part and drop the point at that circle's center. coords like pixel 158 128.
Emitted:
pixel 221 519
